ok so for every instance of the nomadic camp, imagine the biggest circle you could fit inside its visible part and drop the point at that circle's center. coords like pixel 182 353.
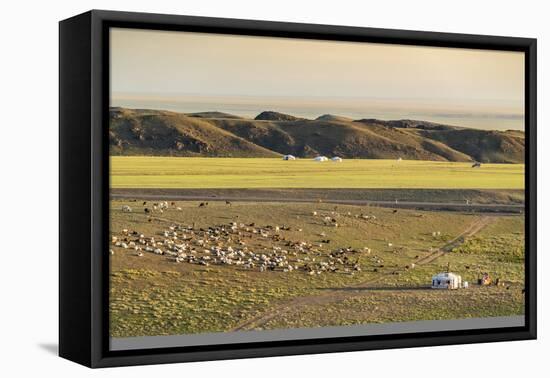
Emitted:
pixel 446 280
pixel 321 158
pixel 336 159
pixel 289 157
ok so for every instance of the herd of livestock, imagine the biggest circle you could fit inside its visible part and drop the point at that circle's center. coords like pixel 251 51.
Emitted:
pixel 247 246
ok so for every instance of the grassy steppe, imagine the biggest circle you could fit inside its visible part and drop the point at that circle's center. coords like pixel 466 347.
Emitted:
pixel 183 172
pixel 153 295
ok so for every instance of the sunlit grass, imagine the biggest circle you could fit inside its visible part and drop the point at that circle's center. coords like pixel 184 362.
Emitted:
pixel 182 172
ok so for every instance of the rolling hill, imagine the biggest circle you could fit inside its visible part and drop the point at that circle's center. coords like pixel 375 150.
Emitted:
pixel 145 132
pixel 275 116
pixel 271 134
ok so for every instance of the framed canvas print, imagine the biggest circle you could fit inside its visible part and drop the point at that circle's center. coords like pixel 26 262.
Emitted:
pixel 234 188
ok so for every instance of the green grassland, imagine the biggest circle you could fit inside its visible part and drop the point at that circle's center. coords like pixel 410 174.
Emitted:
pixel 153 295
pixel 183 172
pixel 382 305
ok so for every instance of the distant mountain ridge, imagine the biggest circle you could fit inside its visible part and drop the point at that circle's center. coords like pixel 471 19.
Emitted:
pixel 272 134
pixel 275 116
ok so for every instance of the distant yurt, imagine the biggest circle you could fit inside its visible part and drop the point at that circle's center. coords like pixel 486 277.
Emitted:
pixel 321 158
pixel 289 157
pixel 336 159
pixel 446 280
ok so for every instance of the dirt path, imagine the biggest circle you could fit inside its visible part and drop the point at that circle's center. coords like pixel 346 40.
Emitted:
pixel 420 205
pixel 472 229
pixel 341 293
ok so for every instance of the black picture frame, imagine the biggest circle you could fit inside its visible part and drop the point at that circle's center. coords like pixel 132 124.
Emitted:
pixel 84 187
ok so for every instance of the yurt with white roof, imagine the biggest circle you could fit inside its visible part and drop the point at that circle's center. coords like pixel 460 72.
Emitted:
pixel 446 280
pixel 289 157
pixel 337 159
pixel 321 158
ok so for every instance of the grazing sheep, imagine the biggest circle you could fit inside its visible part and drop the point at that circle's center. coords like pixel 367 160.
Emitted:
pixel 224 245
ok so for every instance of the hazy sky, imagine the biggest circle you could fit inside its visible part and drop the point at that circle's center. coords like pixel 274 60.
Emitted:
pixel 170 64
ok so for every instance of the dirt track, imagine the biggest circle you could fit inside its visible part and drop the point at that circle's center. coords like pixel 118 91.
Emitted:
pixel 419 205
pixel 341 293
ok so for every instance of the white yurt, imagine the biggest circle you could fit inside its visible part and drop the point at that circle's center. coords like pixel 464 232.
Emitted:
pixel 336 159
pixel 446 280
pixel 289 157
pixel 321 158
